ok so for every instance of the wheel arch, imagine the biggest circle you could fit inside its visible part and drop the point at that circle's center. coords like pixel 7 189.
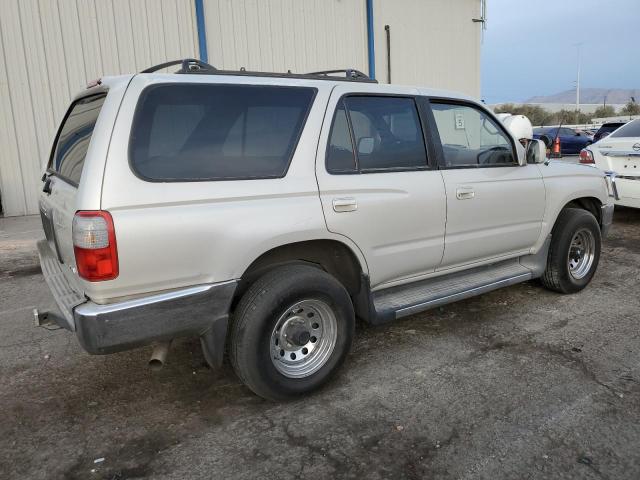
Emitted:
pixel 592 205
pixel 330 255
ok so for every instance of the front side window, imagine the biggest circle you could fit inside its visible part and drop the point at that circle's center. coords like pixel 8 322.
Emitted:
pixel 470 138
pixel 72 142
pixel 217 132
pixel 374 134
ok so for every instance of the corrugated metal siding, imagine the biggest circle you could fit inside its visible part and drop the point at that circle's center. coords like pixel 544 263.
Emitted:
pixel 280 35
pixel 434 43
pixel 50 49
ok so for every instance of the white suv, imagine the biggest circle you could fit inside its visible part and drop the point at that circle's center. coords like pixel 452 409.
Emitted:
pixel 266 211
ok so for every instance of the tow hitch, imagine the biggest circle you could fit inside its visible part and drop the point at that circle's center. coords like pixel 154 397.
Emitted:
pixel 48 320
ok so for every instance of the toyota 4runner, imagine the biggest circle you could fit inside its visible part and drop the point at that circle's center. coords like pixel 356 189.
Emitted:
pixel 265 212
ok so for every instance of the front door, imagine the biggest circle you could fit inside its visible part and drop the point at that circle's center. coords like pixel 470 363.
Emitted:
pixel 376 184
pixel 494 205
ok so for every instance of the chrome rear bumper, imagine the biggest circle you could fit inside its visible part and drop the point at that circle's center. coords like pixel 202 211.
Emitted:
pixel 124 325
pixel 201 310
pixel 66 295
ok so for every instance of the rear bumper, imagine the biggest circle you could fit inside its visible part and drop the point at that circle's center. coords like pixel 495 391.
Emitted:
pixel 195 311
pixel 628 188
pixel 66 294
pixel 181 313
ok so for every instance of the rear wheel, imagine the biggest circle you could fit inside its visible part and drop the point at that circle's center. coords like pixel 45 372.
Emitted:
pixel 291 331
pixel 574 251
pixel 547 140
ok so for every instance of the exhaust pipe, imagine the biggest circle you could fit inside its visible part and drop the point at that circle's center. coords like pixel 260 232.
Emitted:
pixel 159 356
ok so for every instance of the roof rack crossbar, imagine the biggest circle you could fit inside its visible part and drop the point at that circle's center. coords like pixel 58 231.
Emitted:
pixel 348 72
pixel 188 65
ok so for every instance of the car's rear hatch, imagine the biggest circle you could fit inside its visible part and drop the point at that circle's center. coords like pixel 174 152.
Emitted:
pixel 72 182
pixel 64 171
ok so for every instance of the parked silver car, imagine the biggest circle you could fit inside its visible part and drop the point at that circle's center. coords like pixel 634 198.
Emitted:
pixel 267 211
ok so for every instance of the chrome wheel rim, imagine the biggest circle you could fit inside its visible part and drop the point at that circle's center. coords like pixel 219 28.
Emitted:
pixel 303 338
pixel 581 253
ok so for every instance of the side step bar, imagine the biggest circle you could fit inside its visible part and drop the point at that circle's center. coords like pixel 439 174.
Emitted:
pixel 404 300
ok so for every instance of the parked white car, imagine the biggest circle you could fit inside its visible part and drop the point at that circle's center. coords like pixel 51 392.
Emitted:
pixel 267 211
pixel 619 153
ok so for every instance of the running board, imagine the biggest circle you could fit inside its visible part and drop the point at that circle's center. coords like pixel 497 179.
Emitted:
pixel 404 300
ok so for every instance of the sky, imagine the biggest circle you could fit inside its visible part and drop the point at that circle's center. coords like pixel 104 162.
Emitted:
pixel 529 47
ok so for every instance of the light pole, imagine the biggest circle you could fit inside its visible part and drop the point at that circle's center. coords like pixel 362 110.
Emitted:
pixel 579 47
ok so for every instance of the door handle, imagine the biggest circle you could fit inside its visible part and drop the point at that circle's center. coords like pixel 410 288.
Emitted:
pixel 348 204
pixel 465 193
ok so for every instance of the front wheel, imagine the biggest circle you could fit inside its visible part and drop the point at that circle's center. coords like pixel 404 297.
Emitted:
pixel 291 331
pixel 574 251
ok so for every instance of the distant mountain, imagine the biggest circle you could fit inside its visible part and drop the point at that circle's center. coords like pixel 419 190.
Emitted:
pixel 591 95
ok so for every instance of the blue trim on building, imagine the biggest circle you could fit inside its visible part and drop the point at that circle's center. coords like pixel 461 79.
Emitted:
pixel 202 33
pixel 370 43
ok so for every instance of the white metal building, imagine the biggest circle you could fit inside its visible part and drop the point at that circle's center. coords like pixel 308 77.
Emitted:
pixel 50 49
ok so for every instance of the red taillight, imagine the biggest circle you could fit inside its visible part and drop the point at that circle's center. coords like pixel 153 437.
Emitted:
pixel 94 244
pixel 586 156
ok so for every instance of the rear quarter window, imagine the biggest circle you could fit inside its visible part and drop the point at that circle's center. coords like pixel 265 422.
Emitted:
pixel 187 132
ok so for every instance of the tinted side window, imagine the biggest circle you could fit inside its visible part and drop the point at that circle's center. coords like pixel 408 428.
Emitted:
pixel 387 132
pixel 631 129
pixel 340 157
pixel 217 132
pixel 470 138
pixel 73 141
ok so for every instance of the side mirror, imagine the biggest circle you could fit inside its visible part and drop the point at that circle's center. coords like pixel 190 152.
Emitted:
pixel 536 152
pixel 578 134
pixel 365 145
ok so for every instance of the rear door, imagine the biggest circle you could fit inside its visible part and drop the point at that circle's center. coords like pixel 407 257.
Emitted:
pixel 494 205
pixel 377 185
pixel 60 184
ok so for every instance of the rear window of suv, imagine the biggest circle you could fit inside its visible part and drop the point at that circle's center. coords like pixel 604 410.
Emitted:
pixel 630 130
pixel 199 132
pixel 73 137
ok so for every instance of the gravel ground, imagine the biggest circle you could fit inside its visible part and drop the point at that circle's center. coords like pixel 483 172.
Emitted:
pixel 518 383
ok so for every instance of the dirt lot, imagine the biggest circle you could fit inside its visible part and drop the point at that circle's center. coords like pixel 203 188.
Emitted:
pixel 519 383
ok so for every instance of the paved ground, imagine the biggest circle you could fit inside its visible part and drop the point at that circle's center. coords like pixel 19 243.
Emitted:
pixel 519 383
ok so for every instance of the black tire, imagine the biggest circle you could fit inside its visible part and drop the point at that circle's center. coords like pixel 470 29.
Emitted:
pixel 255 319
pixel 557 275
pixel 547 141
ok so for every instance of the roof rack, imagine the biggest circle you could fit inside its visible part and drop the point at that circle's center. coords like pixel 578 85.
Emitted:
pixel 191 65
pixel 351 73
